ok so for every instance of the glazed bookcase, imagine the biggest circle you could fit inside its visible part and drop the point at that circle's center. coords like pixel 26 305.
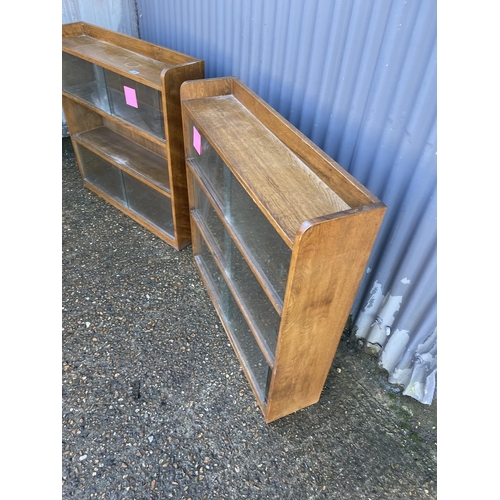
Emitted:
pixel 281 237
pixel 122 107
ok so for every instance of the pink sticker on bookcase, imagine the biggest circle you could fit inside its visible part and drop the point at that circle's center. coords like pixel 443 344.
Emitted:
pixel 197 140
pixel 130 97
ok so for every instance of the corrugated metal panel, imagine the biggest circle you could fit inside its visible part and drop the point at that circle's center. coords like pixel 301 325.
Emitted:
pixel 358 77
pixel 116 15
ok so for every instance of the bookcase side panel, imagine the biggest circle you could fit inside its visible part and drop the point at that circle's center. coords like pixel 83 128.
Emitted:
pixel 78 117
pixel 328 263
pixel 172 81
pixel 208 87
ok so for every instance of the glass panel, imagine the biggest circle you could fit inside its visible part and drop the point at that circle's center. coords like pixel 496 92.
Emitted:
pixel 255 301
pixel 149 204
pixel 247 345
pixel 265 244
pixel 208 162
pixel 84 80
pixel 101 174
pixel 136 103
pixel 259 237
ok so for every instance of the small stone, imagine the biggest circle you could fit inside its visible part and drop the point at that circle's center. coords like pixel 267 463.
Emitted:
pixel 150 439
pixel 83 457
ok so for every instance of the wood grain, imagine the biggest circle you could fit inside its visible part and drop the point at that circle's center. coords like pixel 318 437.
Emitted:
pixel 116 59
pixel 159 164
pixel 327 217
pixel 332 174
pixel 209 87
pixel 136 135
pixel 79 118
pixel 150 50
pixel 328 262
pixel 172 81
pixel 128 156
pixel 276 179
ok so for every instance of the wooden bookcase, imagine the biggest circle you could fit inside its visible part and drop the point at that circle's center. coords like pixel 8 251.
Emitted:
pixel 121 99
pixel 281 238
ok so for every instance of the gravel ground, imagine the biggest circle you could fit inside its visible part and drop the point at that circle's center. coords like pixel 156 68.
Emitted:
pixel 156 406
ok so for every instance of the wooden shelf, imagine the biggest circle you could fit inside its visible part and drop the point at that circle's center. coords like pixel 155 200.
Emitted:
pixel 118 59
pixel 119 123
pixel 121 100
pixel 125 154
pixel 271 211
pixel 274 173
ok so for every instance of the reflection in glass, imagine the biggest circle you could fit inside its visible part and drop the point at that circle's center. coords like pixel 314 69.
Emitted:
pixel 149 204
pixel 136 103
pixel 85 81
pixel 271 254
pixel 101 174
pixel 242 335
pixel 262 313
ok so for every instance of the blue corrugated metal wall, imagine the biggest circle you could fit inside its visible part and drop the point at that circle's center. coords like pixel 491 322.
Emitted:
pixel 358 77
pixel 116 15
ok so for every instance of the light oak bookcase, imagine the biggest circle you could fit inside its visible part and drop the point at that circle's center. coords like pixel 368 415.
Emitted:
pixel 281 237
pixel 122 106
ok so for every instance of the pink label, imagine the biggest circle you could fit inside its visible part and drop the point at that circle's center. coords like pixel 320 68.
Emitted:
pixel 197 140
pixel 130 97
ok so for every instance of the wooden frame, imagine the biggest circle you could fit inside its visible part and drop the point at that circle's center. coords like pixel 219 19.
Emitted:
pixel 257 184
pixel 145 154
